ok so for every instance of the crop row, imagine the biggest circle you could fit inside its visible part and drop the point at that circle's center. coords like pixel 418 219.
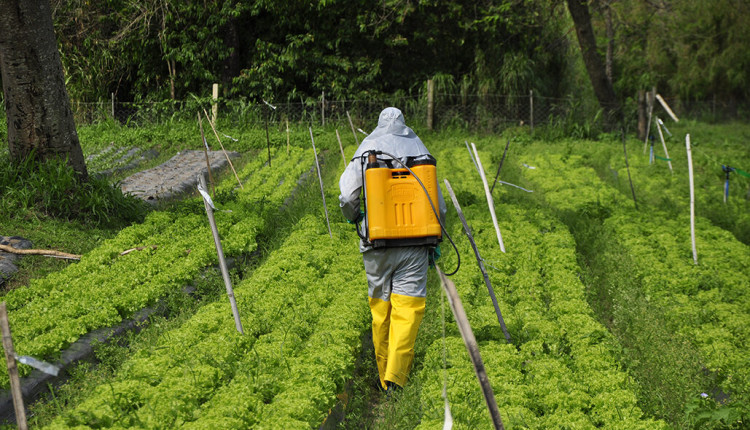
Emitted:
pixel 707 304
pixel 303 316
pixel 561 370
pixel 668 190
pixel 171 249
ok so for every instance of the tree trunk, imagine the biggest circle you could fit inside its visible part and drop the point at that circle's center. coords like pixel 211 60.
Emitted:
pixel 579 11
pixel 40 120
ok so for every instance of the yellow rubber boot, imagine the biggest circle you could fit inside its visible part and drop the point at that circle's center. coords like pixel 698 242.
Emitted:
pixel 381 316
pixel 406 316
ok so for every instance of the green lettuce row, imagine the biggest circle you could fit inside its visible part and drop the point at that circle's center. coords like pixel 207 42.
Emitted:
pixel 105 287
pixel 706 304
pixel 303 317
pixel 709 302
pixel 561 370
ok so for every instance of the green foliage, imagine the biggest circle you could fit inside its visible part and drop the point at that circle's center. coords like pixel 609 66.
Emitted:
pixel 52 189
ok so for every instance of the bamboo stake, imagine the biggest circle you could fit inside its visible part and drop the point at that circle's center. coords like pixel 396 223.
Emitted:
pixel 692 197
pixel 472 347
pixel 351 124
pixel 664 145
pixel 320 179
pixel 500 166
pixel 490 200
pixel 466 142
pixel 222 263
pixel 45 252
pixel 480 262
pixel 341 146
pixel 666 108
pixel 205 151
pixel 222 148
pixel 10 360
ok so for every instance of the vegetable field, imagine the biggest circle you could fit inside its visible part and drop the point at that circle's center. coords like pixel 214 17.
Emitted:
pixel 612 323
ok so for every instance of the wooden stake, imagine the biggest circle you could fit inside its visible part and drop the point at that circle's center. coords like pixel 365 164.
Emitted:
pixel 215 105
pixel 663 144
pixel 45 252
pixel 627 166
pixel 341 147
pixel 222 262
pixel 650 103
pixel 205 151
pixel 287 136
pixel 10 359
pixel 268 140
pixel 222 148
pixel 351 124
pixel 472 347
pixel 430 103
pixel 692 197
pixel 500 166
pixel 531 111
pixel 490 200
pixel 320 179
pixel 666 108
pixel 480 262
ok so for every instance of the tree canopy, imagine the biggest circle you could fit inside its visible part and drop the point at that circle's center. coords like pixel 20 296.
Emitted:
pixel 270 49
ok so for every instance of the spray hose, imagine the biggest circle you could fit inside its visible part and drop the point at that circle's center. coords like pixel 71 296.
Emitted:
pixel 363 159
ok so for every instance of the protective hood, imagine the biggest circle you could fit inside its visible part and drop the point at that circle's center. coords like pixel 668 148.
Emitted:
pixel 393 136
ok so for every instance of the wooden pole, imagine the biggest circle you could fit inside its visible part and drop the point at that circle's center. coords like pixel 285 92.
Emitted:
pixel 472 347
pixel 220 252
pixel 480 262
pixel 666 108
pixel 490 200
pixel 287 136
pixel 222 148
pixel 351 124
pixel 500 166
pixel 113 105
pixel 627 166
pixel 205 151
pixel 341 147
pixel 430 103
pixel 531 111
pixel 664 145
pixel 45 252
pixel 268 140
pixel 692 197
pixel 323 108
pixel 10 360
pixel 650 103
pixel 215 105
pixel 320 179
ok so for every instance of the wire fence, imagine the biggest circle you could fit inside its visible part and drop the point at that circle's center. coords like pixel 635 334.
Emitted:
pixel 489 112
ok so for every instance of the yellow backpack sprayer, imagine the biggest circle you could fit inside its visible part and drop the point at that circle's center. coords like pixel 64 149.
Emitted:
pixel 399 202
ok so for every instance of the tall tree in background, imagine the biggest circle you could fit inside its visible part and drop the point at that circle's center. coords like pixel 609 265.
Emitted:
pixel 40 121
pixel 605 93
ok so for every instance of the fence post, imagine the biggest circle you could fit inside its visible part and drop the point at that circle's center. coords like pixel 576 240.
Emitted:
pixel 430 103
pixel 323 108
pixel 531 110
pixel 215 105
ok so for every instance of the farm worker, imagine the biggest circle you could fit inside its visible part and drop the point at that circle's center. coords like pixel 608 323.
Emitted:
pixel 396 276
